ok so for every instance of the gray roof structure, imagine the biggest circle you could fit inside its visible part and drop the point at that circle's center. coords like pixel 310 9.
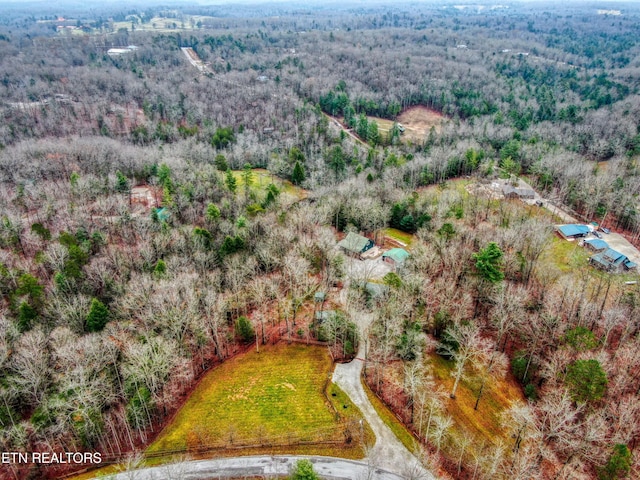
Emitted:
pixel 355 243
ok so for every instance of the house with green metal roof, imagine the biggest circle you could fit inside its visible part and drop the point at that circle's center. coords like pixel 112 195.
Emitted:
pixel 395 256
pixel 354 244
pixel 571 231
pixel 596 244
pixel 612 261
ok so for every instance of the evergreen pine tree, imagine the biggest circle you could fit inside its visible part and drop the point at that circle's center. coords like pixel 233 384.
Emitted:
pixel 97 317
pixel 298 175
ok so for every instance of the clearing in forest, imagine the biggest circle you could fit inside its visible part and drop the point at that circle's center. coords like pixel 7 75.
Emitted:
pixel 398 238
pixel 261 178
pixel 417 122
pixel 275 397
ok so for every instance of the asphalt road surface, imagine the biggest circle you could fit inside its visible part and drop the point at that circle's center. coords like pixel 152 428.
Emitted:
pixel 259 466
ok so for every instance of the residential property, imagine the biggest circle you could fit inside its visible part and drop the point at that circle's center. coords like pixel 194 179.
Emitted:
pixel 596 244
pixel 612 261
pixel 354 244
pixel 395 256
pixel 572 231
pixel 509 191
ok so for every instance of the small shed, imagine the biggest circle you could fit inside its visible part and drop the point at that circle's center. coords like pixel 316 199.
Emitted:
pixel 319 297
pixel 395 256
pixel 596 244
pixel 354 244
pixel 572 231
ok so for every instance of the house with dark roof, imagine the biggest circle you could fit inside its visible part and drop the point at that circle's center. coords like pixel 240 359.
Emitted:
pixel 596 244
pixel 509 191
pixel 395 256
pixel 354 244
pixel 612 261
pixel 570 232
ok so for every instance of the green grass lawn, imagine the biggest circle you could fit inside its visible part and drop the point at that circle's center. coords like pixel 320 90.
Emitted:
pixel 262 178
pixel 274 396
pixel 564 255
pixel 264 399
pixel 399 236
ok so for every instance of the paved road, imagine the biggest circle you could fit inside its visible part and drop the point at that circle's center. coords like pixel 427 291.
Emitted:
pixel 259 466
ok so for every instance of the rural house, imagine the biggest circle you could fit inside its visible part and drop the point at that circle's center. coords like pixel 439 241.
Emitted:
pixel 510 191
pixel 354 244
pixel 611 261
pixel 596 244
pixel 570 232
pixel 395 256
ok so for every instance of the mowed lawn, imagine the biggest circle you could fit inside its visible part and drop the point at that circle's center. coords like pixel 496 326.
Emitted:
pixel 274 396
pixel 565 256
pixel 399 236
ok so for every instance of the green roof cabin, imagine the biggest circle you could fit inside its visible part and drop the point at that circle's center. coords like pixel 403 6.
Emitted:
pixel 395 256
pixel 354 244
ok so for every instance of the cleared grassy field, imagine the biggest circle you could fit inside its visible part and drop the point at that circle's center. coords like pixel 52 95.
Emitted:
pixel 270 397
pixel 262 178
pixel 399 236
pixel 565 256
pixel 417 122
pixel 265 399
pixel 164 24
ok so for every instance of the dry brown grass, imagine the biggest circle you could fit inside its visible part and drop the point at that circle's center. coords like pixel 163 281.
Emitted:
pixel 485 424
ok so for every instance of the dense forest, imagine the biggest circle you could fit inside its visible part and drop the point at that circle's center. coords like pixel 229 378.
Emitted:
pixel 139 246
